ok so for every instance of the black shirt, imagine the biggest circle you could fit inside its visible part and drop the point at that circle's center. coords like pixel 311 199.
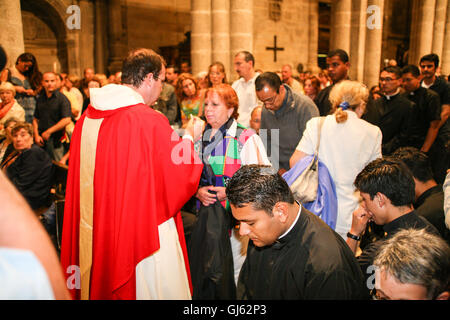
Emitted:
pixel 310 262
pixel 31 173
pixel 393 115
pixel 49 111
pixel 427 109
pixel 323 102
pixel 430 205
pixel 406 221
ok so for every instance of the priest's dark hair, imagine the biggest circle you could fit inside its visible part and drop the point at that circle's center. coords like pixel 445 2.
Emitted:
pixel 342 54
pixel 138 64
pixel 270 79
pixel 389 176
pixel 413 69
pixel 260 186
pixel 393 69
pixel 432 57
pixel 417 161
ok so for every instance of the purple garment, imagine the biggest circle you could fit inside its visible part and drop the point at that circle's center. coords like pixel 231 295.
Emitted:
pixel 325 206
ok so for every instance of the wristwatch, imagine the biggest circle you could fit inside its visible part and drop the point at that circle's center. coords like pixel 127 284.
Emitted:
pixel 352 236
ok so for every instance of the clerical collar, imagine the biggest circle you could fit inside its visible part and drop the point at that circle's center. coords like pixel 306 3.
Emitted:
pixel 293 223
pixel 426 86
pixel 389 97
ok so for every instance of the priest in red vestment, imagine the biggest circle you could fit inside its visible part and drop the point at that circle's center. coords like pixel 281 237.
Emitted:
pixel 129 176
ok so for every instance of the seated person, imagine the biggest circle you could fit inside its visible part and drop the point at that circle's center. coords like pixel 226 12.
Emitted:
pixel 29 168
pixel 6 145
pixel 292 253
pixel 413 265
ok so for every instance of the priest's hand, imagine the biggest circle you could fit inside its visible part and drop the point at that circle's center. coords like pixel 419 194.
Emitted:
pixel 359 221
pixel 195 127
pixel 205 197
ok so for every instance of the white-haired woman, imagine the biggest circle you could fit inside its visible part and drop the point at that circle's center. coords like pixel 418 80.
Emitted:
pixel 9 107
pixel 347 144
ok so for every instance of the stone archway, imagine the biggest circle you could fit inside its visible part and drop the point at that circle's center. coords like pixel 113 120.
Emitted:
pixel 45 33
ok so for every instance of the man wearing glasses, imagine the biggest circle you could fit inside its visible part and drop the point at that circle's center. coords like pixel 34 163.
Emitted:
pixel 285 111
pixel 392 112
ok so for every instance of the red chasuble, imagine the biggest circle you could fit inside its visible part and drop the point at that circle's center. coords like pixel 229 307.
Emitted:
pixel 136 186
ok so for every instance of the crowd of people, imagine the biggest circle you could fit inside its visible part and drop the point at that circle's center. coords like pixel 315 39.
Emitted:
pixel 186 179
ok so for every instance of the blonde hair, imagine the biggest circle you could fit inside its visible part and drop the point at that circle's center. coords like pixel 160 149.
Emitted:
pixel 352 92
pixel 8 86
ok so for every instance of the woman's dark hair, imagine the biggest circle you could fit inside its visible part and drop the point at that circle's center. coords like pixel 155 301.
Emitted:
pixel 315 82
pixel 390 177
pixel 138 64
pixel 260 186
pixel 179 86
pixel 33 74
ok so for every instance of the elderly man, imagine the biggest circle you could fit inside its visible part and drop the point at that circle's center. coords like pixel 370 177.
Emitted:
pixel 122 222
pixel 285 111
pixel 292 253
pixel 413 265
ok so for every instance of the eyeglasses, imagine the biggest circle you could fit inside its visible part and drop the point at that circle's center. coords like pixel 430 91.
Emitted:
pixel 270 101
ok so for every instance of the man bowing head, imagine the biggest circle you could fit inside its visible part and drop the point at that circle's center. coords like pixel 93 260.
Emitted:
pixel 122 212
pixel 292 253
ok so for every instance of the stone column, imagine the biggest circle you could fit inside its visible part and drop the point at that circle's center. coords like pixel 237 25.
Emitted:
pixel 374 38
pixel 116 39
pixel 100 40
pixel 221 33
pixel 11 38
pixel 358 40
pixel 200 35
pixel 422 29
pixel 439 26
pixel 241 27
pixel 340 25
pixel 445 58
pixel 313 43
pixel 87 34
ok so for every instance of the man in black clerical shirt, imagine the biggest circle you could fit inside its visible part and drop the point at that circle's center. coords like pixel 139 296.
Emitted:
pixel 337 66
pixel 386 187
pixel 429 196
pixel 292 253
pixel 427 111
pixel 392 113
pixel 439 152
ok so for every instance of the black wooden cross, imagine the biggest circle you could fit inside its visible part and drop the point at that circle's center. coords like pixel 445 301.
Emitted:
pixel 275 48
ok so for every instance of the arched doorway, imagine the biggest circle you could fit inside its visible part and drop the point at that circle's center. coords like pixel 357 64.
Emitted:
pixel 45 35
